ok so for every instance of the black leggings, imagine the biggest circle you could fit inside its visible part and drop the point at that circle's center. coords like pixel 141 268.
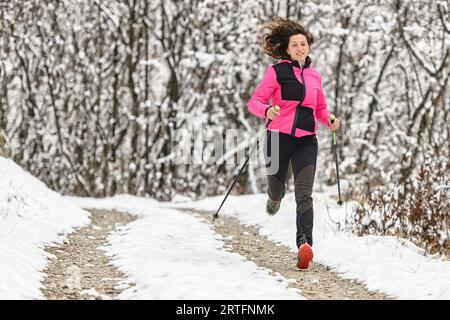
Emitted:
pixel 280 149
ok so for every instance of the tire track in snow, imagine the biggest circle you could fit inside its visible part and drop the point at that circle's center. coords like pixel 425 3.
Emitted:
pixel 78 269
pixel 318 282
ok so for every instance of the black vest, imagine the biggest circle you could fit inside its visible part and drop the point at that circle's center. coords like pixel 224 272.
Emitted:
pixel 293 90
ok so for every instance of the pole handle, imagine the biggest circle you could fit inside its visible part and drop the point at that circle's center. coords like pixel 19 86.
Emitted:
pixel 332 119
pixel 277 108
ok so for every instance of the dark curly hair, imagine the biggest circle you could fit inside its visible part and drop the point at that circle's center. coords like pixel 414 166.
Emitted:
pixel 276 41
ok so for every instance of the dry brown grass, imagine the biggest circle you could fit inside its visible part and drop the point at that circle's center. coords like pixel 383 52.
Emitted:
pixel 421 215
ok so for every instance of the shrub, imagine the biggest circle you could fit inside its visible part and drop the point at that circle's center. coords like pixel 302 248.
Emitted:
pixel 421 215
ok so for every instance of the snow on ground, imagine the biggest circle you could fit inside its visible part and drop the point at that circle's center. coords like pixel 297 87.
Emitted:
pixel 174 255
pixel 394 266
pixel 31 216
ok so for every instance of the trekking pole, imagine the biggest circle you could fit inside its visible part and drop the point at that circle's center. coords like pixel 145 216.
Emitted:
pixel 262 131
pixel 332 118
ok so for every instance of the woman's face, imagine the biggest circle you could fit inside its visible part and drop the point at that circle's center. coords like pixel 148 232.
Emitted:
pixel 298 48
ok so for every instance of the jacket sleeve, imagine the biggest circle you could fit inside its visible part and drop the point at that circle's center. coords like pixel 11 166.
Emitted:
pixel 258 103
pixel 321 109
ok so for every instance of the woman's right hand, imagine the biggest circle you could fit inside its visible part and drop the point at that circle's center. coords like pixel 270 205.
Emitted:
pixel 273 112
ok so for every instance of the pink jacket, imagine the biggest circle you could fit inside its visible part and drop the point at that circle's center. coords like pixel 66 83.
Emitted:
pixel 299 94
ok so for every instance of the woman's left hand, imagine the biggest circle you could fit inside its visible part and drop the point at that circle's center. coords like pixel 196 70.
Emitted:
pixel 335 125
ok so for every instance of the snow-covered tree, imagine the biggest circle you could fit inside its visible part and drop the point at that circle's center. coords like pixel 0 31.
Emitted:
pixel 98 97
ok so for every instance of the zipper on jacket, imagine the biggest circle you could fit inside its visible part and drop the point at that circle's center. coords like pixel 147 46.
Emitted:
pixel 294 125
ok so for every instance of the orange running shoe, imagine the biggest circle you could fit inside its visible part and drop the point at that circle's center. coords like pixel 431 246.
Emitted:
pixel 305 255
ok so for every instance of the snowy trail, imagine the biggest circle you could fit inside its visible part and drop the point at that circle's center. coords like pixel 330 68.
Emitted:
pixel 171 254
pixel 388 264
pixel 82 271
pixel 318 282
pixel 79 268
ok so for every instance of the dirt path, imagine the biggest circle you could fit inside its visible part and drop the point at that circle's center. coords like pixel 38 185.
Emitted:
pixel 318 282
pixel 79 269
